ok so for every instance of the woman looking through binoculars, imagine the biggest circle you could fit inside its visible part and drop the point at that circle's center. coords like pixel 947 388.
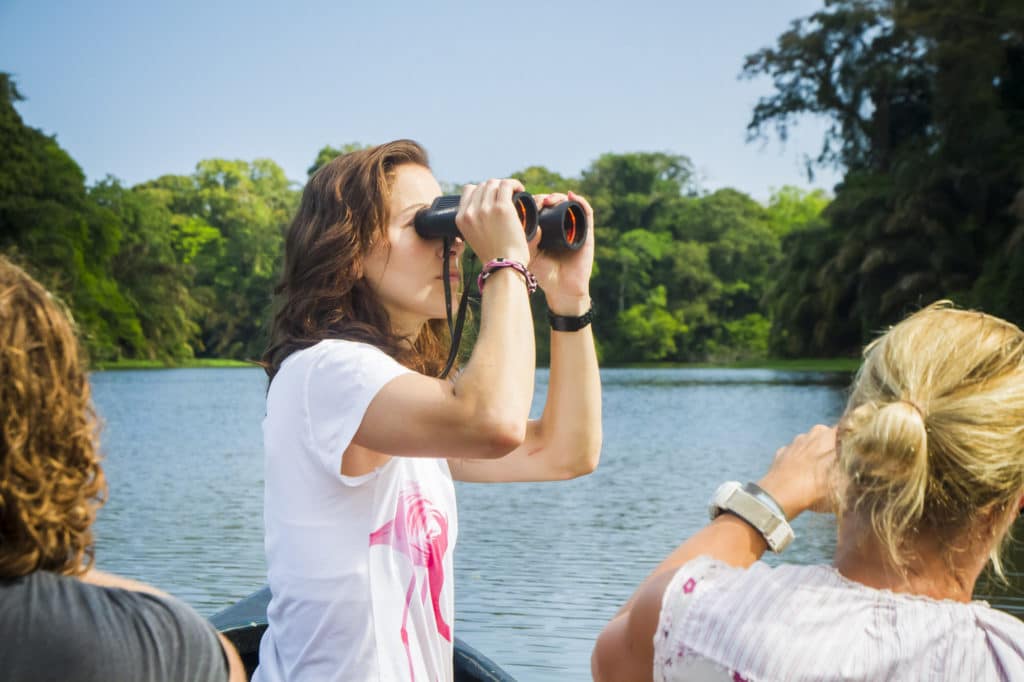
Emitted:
pixel 362 441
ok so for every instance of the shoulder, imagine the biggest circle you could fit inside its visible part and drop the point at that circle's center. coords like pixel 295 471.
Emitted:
pixel 685 597
pixel 350 367
pixel 1000 628
pixel 673 656
pixel 113 633
pixel 701 572
pixel 336 363
pixel 343 348
pixel 692 578
pixel 335 350
pixel 333 356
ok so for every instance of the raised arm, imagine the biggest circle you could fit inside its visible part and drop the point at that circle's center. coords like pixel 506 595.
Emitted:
pixel 484 412
pixel 799 479
pixel 566 441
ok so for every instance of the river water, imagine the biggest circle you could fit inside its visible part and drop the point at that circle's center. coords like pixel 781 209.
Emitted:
pixel 539 568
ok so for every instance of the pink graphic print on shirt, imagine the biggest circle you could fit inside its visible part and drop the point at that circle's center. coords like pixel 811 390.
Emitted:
pixel 420 532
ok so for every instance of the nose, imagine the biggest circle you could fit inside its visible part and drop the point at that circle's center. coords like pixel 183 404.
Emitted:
pixel 457 247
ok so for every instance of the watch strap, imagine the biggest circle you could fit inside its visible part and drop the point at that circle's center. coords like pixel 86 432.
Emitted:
pixel 763 495
pixel 765 518
pixel 570 323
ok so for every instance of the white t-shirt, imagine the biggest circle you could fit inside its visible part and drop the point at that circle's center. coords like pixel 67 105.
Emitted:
pixel 809 623
pixel 360 568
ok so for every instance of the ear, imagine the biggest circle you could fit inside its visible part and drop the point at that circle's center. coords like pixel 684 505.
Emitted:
pixel 1020 505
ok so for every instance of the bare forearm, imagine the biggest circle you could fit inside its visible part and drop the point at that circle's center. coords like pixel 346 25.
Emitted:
pixel 498 379
pixel 730 539
pixel 624 649
pixel 571 422
pixel 798 480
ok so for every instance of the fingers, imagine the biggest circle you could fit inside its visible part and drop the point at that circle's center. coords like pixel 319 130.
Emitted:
pixel 587 209
pixel 487 195
pixel 801 471
pixel 534 244
pixel 823 436
pixel 488 220
pixel 553 199
pixel 505 190
pixel 465 199
pixel 816 444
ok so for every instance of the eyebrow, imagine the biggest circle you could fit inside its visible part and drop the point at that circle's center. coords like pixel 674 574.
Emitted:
pixel 411 207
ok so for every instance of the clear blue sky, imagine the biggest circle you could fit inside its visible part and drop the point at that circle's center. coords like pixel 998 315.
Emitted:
pixel 138 89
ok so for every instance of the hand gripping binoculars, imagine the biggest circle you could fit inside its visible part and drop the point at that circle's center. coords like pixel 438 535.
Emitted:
pixel 563 226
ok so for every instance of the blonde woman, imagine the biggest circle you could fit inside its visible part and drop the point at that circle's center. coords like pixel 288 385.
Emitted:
pixel 926 475
pixel 60 619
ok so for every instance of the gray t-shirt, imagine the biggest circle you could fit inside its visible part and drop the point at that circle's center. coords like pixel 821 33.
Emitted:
pixel 58 629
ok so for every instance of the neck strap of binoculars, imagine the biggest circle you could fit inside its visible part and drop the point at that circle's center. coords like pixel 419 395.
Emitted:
pixel 454 330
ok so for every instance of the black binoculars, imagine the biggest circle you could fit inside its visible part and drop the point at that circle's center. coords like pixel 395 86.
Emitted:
pixel 563 226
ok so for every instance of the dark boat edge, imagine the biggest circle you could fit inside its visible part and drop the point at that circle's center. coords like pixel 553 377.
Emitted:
pixel 244 622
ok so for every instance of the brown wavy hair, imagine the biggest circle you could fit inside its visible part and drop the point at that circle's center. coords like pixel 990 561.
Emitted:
pixel 51 483
pixel 322 293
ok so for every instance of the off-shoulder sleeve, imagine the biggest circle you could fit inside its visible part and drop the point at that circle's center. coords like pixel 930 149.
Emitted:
pixel 673 660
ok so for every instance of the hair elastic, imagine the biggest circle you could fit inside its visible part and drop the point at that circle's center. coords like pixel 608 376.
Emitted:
pixel 916 407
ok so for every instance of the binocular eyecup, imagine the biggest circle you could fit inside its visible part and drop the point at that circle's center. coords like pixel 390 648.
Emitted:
pixel 563 226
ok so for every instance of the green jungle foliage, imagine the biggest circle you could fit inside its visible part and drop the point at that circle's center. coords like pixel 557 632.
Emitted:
pixel 171 269
pixel 926 105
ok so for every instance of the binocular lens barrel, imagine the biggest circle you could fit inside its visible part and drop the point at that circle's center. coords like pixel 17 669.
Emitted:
pixel 439 220
pixel 563 227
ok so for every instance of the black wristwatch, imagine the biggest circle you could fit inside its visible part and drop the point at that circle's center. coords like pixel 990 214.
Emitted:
pixel 570 323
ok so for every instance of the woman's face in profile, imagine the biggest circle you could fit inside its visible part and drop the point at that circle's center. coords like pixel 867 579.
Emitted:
pixel 406 273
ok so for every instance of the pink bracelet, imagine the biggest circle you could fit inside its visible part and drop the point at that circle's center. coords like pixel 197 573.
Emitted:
pixel 497 264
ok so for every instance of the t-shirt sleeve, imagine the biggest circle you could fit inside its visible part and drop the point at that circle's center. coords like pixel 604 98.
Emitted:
pixel 339 387
pixel 188 643
pixel 693 578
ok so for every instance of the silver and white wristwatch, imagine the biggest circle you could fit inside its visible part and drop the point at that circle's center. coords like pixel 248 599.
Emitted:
pixel 755 506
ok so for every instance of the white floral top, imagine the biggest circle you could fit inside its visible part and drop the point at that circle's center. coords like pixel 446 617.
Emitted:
pixel 803 623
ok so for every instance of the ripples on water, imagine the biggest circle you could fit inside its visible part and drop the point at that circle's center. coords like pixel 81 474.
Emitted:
pixel 540 568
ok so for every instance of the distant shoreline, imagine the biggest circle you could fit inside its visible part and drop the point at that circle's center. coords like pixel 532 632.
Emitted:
pixel 159 364
pixel 790 365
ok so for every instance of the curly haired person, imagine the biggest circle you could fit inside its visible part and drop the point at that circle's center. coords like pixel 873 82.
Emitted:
pixel 60 619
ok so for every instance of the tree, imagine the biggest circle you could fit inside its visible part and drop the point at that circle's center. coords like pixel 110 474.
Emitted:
pixel 153 267
pixel 791 208
pixel 48 222
pixel 249 205
pixel 650 329
pixel 328 153
pixel 926 102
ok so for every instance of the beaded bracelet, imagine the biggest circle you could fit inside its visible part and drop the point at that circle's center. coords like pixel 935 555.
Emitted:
pixel 497 264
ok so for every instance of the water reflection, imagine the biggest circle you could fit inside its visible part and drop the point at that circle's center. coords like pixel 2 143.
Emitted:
pixel 539 567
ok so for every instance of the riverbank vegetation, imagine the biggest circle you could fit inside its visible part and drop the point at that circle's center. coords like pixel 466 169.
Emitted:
pixel 926 104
